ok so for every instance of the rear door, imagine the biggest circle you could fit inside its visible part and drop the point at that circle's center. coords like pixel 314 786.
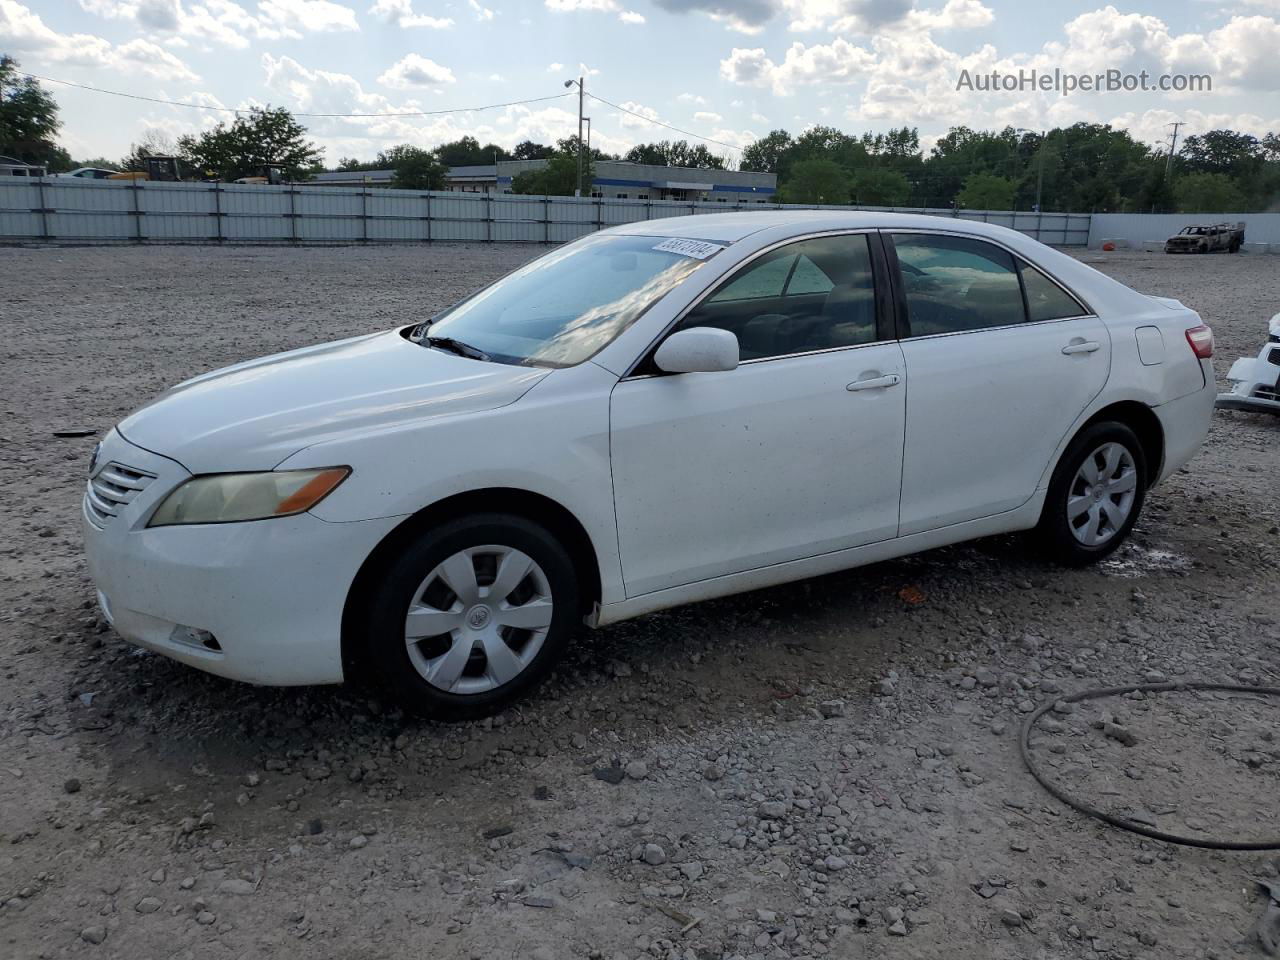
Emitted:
pixel 1000 362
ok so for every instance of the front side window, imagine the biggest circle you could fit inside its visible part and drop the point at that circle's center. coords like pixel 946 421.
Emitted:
pixel 564 307
pixel 955 284
pixel 810 295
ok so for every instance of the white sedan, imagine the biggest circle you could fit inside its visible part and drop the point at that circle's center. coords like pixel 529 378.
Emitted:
pixel 652 415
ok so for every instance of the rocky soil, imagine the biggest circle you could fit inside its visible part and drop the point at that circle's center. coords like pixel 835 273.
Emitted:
pixel 828 768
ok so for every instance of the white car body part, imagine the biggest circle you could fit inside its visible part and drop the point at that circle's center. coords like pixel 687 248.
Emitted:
pixel 666 488
pixel 1255 381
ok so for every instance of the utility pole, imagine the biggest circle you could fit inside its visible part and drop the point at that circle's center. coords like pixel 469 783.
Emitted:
pixel 1044 141
pixel 577 191
pixel 1173 147
pixel 581 94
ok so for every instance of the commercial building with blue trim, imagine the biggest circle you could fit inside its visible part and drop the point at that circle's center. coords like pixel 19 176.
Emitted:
pixel 619 180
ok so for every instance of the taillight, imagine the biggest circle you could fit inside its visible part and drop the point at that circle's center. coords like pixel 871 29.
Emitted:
pixel 1201 340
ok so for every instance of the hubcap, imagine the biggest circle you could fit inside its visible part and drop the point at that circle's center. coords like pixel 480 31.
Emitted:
pixel 1102 494
pixel 478 619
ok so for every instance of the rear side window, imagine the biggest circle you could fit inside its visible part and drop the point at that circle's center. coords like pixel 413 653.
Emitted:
pixel 1045 299
pixel 955 284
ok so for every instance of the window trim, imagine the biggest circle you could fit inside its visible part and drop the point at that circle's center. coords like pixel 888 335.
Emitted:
pixel 885 333
pixel 902 313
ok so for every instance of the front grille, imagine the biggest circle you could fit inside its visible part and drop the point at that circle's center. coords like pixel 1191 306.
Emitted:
pixel 1274 357
pixel 112 490
pixel 1267 393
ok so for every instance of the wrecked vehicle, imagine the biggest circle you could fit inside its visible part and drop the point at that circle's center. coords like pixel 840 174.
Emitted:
pixel 1205 238
pixel 1255 381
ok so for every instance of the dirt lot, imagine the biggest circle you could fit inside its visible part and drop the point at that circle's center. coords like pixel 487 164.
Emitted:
pixel 821 769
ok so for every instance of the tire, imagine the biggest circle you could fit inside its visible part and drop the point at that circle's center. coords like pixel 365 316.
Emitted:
pixel 471 671
pixel 1075 539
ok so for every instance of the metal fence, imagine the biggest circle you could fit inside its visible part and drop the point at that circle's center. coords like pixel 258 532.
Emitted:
pixel 67 210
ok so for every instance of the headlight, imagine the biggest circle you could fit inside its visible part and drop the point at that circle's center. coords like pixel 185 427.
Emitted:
pixel 229 497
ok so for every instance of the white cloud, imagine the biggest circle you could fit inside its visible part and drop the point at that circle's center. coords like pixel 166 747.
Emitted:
pixel 631 17
pixel 692 98
pixel 631 122
pixel 24 32
pixel 314 15
pixel 483 14
pixel 567 6
pixel 400 12
pixel 555 67
pixel 414 70
pixel 706 116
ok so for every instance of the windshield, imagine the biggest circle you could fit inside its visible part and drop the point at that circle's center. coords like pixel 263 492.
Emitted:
pixel 563 308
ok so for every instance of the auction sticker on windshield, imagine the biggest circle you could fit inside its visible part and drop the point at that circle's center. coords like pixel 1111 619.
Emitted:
pixel 698 249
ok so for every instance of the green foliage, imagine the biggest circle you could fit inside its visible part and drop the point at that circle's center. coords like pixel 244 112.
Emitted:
pixel 816 181
pixel 102 163
pixel 415 168
pixel 28 120
pixel 558 177
pixel 468 152
pixel 1208 193
pixel 678 153
pixel 986 191
pixel 528 150
pixel 880 187
pixel 266 136
pixel 765 155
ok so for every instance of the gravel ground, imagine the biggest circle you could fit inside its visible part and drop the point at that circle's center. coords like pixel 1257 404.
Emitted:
pixel 828 768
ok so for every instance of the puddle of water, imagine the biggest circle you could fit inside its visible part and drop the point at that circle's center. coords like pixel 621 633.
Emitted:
pixel 1132 561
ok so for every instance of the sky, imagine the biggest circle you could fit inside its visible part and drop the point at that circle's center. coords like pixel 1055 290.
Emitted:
pixel 727 70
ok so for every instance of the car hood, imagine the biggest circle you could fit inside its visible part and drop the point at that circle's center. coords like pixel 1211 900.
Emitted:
pixel 253 415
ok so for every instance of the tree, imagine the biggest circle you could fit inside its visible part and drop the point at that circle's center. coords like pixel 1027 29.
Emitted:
pixel 765 155
pixel 415 168
pixel 878 187
pixel 816 181
pixel 986 191
pixel 559 176
pixel 1207 193
pixel 678 153
pixel 266 136
pixel 528 150
pixel 1222 151
pixel 28 120
pixel 102 163
pixel 467 152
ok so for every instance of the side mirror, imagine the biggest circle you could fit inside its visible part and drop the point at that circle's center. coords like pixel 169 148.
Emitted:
pixel 698 350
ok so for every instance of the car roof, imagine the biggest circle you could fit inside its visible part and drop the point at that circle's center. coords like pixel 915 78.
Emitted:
pixel 731 227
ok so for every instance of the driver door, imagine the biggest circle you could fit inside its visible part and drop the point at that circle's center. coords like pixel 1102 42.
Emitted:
pixel 796 453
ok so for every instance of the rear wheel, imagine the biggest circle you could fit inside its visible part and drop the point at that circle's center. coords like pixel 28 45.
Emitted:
pixel 1095 496
pixel 472 615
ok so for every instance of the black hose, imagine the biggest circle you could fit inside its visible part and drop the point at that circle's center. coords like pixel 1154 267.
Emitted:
pixel 1024 745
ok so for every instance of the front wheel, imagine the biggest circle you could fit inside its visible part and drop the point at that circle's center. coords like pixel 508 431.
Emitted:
pixel 1095 496
pixel 471 615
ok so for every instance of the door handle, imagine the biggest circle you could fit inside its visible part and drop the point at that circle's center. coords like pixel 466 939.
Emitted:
pixel 875 383
pixel 1081 346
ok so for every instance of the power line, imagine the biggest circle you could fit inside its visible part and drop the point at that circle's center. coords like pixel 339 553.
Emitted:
pixel 330 116
pixel 687 133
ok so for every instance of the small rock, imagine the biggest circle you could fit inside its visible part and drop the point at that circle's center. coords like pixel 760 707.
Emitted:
pixel 691 870
pixel 204 918
pixel 73 786
pixel 237 887
pixel 149 905
pixel 358 841
pixel 830 709
pixel 713 771
pixel 158 876
pixel 1011 918
pixel 637 770
pixel 771 810
pixel 94 934
pixel 654 855
pixel 898 929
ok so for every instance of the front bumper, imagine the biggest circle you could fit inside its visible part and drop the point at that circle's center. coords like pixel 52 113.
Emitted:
pixel 1255 383
pixel 270 593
